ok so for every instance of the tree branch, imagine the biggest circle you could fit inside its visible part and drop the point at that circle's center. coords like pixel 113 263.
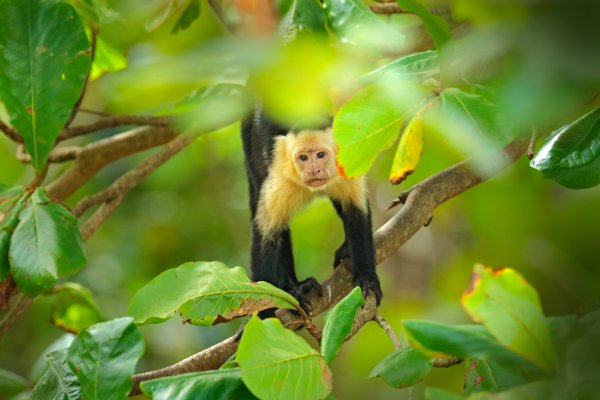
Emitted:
pixel 93 157
pixel 421 200
pixel 111 122
pixel 388 330
pixel 57 155
pixel 10 132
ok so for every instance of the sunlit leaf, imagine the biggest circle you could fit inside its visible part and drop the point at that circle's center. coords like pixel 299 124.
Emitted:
pixel 74 308
pixel 189 15
pixel 510 310
pixel 208 385
pixel 571 156
pixel 290 369
pixel 408 153
pixel 58 382
pixel 11 383
pixel 106 59
pixel 370 123
pixel 403 368
pixel 417 66
pixel 205 293
pixel 45 58
pixel 7 227
pixel 353 22
pixel 104 357
pixel 45 245
pixel 435 25
pixel 338 323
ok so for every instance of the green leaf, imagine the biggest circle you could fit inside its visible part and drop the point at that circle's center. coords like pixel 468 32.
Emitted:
pixel 370 123
pixel 63 342
pixel 304 16
pixel 353 22
pixel 510 310
pixel 46 245
pixel 74 309
pixel 9 195
pixel 11 383
pixel 205 293
pixel 408 153
pixel 107 58
pixel 539 390
pixel 571 155
pixel 58 382
pixel 95 12
pixel 477 116
pixel 403 368
pixel 7 227
pixel 438 340
pixel 417 67
pixel 290 369
pixel 208 385
pixel 45 58
pixel 338 323
pixel 104 357
pixel 189 15
pixel 488 376
pixel 435 25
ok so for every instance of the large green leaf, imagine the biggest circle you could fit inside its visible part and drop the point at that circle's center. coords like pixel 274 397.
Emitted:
pixel 338 323
pixel 435 25
pixel 403 368
pixel 438 340
pixel 370 123
pixel 44 61
pixel 74 309
pixel 278 364
pixel 417 66
pixel 353 22
pixel 510 310
pixel 11 383
pixel 58 382
pixel 571 156
pixel 104 357
pixel 7 227
pixel 46 245
pixel 205 293
pixel 488 376
pixel 208 385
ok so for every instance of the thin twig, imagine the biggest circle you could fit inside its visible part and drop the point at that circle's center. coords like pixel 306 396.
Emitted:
pixel 532 141
pixel 446 362
pixel 58 155
pixel 111 122
pixel 388 330
pixel 10 132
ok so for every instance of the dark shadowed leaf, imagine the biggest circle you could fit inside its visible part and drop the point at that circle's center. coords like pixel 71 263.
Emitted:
pixel 104 357
pixel 403 367
pixel 11 383
pixel 571 156
pixel 510 310
pixel 45 59
pixel 435 25
pixel 189 15
pixel 58 382
pixel 488 376
pixel 290 369
pixel 338 323
pixel 205 293
pixel 46 245
pixel 74 309
pixel 209 385
pixel 7 227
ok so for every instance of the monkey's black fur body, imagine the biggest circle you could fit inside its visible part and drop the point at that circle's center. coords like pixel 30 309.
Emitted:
pixel 272 260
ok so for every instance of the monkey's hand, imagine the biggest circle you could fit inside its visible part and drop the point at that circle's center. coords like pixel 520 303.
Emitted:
pixel 369 282
pixel 301 290
pixel 340 254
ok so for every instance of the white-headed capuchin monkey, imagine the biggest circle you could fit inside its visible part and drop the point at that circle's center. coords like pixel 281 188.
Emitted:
pixel 286 170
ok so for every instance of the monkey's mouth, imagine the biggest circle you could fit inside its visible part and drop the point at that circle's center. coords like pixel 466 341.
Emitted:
pixel 316 182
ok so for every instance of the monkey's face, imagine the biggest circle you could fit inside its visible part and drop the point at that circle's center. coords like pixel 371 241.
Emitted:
pixel 315 164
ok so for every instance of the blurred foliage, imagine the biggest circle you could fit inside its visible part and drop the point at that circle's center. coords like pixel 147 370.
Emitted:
pixel 535 61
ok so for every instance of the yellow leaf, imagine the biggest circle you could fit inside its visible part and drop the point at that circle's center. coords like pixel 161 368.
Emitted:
pixel 408 152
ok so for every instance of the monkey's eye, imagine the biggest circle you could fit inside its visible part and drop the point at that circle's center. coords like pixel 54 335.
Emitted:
pixel 321 154
pixel 303 157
